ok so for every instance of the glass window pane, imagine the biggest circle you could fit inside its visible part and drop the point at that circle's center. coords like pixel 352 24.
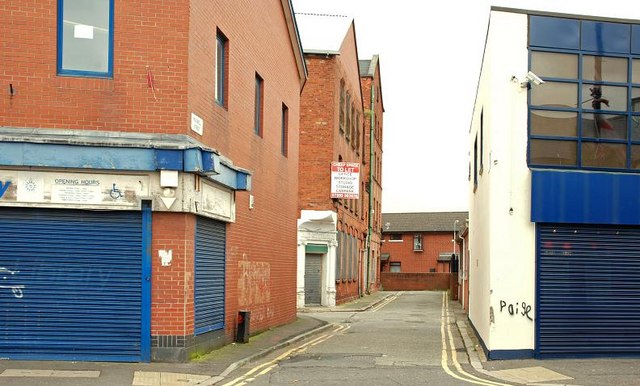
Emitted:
pixel 635 72
pixel 548 64
pixel 604 155
pixel 635 99
pixel 635 128
pixel 602 68
pixel 604 97
pixel 560 153
pixel 604 126
pixel 555 94
pixel 635 157
pixel 554 123
pixel 85 35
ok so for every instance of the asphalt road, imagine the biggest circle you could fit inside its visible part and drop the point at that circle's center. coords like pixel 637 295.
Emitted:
pixel 399 342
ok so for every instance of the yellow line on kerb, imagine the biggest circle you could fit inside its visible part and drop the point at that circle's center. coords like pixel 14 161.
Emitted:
pixel 270 365
pixel 446 333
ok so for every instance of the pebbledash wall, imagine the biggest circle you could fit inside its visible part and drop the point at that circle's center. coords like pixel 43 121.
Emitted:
pixel 553 228
pixel 163 205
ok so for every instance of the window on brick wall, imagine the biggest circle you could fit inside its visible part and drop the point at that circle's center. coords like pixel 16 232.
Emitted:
pixel 348 118
pixel 284 145
pixel 222 69
pixel 395 237
pixel 342 106
pixel 258 106
pixel 85 37
pixel 417 242
pixel 394 267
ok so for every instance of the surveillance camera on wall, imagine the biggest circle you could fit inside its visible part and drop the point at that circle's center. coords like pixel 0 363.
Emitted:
pixel 533 78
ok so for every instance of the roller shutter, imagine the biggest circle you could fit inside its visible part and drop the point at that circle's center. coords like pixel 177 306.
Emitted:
pixel 588 291
pixel 210 274
pixel 70 284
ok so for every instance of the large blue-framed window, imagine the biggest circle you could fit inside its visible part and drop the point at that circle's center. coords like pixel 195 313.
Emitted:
pixel 587 113
pixel 85 38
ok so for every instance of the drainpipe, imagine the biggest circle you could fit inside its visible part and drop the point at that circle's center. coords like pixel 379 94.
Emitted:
pixel 371 127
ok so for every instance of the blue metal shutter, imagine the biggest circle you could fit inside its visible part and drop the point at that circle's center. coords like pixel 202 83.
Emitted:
pixel 209 275
pixel 588 291
pixel 70 284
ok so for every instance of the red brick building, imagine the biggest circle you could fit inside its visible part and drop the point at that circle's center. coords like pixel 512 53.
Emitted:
pixel 149 155
pixel 371 83
pixel 333 254
pixel 420 242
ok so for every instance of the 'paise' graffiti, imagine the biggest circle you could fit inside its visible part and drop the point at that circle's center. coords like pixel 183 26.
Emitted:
pixel 518 308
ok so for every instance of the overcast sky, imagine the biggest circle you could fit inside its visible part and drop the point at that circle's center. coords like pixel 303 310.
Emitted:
pixel 430 56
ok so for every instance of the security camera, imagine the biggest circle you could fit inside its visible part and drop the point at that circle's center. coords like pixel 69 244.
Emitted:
pixel 533 78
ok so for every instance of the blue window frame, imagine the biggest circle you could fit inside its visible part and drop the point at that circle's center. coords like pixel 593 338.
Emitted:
pixel 222 47
pixel 587 113
pixel 85 38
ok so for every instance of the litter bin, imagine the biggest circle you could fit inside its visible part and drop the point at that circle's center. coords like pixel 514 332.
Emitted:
pixel 242 333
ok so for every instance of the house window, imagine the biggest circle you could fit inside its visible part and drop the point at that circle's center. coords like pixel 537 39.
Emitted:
pixel 258 107
pixel 284 145
pixel 222 67
pixel 395 237
pixel 85 37
pixel 417 242
pixel 394 267
pixel 585 115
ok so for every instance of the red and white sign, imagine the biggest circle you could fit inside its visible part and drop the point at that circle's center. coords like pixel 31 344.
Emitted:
pixel 345 180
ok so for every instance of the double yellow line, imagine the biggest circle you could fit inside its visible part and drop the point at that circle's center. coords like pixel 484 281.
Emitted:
pixel 447 335
pixel 264 368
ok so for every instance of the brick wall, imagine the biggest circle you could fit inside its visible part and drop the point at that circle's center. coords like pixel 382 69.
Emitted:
pixel 175 41
pixel 415 281
pixel 261 244
pixel 172 287
pixel 321 143
pixel 146 33
pixel 433 243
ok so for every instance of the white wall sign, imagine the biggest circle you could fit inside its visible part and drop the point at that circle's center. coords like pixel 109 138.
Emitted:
pixel 197 124
pixel 73 189
pixel 345 180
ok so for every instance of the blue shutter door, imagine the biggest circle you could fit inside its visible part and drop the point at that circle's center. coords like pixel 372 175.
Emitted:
pixel 588 291
pixel 70 284
pixel 209 275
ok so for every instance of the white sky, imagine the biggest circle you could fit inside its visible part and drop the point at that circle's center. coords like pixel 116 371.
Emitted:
pixel 430 56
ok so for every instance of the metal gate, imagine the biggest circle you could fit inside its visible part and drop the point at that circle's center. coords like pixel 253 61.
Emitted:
pixel 71 285
pixel 588 301
pixel 209 275
pixel 312 279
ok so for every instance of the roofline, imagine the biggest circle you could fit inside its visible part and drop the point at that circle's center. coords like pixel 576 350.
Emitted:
pixel 565 15
pixel 321 52
pixel 294 35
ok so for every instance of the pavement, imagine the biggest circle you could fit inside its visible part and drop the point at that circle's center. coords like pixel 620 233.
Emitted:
pixel 215 367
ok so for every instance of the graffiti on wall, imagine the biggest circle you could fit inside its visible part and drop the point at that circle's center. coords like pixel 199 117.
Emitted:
pixel 15 289
pixel 516 309
pixel 253 283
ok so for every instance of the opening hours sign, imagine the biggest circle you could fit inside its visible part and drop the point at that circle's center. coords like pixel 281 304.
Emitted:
pixel 345 180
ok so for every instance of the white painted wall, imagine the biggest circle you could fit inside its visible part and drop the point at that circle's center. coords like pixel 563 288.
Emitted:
pixel 501 236
pixel 318 227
